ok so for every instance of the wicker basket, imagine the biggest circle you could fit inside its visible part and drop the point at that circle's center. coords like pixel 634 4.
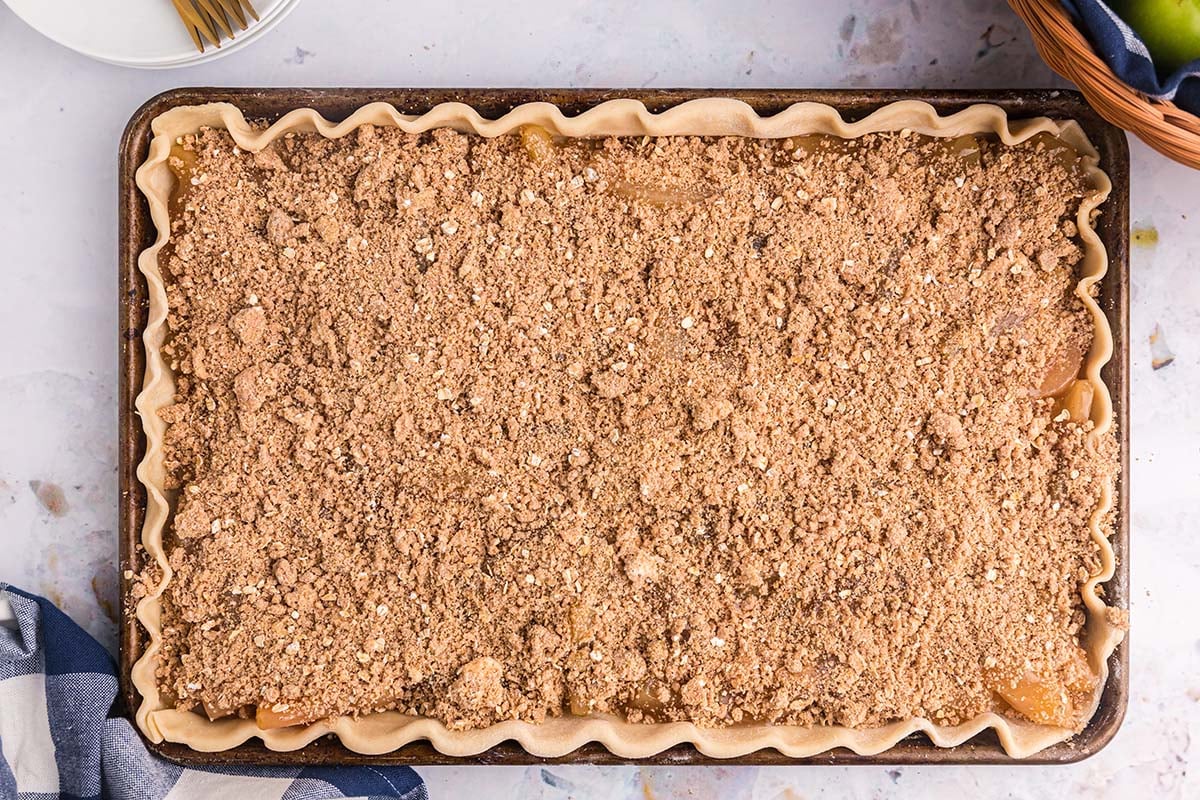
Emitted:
pixel 1168 129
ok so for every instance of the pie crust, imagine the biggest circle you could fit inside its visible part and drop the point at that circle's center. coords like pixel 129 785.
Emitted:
pixel 383 732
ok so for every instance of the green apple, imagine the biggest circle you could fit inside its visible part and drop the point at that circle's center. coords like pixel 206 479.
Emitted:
pixel 1170 29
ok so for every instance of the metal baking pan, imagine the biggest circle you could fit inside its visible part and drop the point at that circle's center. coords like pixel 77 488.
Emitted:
pixel 137 232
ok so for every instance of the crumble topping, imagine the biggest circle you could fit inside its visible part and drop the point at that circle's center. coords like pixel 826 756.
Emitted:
pixel 679 428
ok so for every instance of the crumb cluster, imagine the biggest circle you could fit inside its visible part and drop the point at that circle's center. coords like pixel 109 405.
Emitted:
pixel 705 429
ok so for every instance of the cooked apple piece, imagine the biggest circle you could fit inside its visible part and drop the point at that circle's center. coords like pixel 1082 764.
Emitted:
pixel 583 624
pixel 580 704
pixel 214 711
pixel 1056 699
pixel 1079 678
pixel 182 163
pixel 1066 155
pixel 538 142
pixel 965 147
pixel 281 715
pixel 803 145
pixel 652 695
pixel 1076 401
pixel 1060 372
pixel 1039 699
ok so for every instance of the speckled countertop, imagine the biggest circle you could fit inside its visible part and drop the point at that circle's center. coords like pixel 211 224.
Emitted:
pixel 60 119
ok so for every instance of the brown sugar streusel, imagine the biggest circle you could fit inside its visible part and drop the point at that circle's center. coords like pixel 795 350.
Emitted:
pixel 715 430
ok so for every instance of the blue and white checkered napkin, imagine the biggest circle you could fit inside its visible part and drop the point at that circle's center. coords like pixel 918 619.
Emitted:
pixel 57 685
pixel 1128 57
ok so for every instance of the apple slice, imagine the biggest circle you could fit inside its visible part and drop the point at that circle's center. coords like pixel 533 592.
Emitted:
pixel 537 141
pixel 281 715
pixel 1076 401
pixel 1060 372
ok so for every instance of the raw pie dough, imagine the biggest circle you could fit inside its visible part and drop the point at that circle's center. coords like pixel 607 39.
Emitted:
pixel 384 732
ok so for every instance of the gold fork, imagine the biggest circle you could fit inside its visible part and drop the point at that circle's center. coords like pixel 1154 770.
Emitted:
pixel 206 19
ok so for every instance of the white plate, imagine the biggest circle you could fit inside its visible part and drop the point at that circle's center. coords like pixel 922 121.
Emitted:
pixel 136 33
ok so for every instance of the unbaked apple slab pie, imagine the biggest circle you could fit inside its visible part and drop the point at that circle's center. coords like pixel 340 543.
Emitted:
pixel 749 432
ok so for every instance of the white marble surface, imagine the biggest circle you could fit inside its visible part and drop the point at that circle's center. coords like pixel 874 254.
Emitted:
pixel 60 119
